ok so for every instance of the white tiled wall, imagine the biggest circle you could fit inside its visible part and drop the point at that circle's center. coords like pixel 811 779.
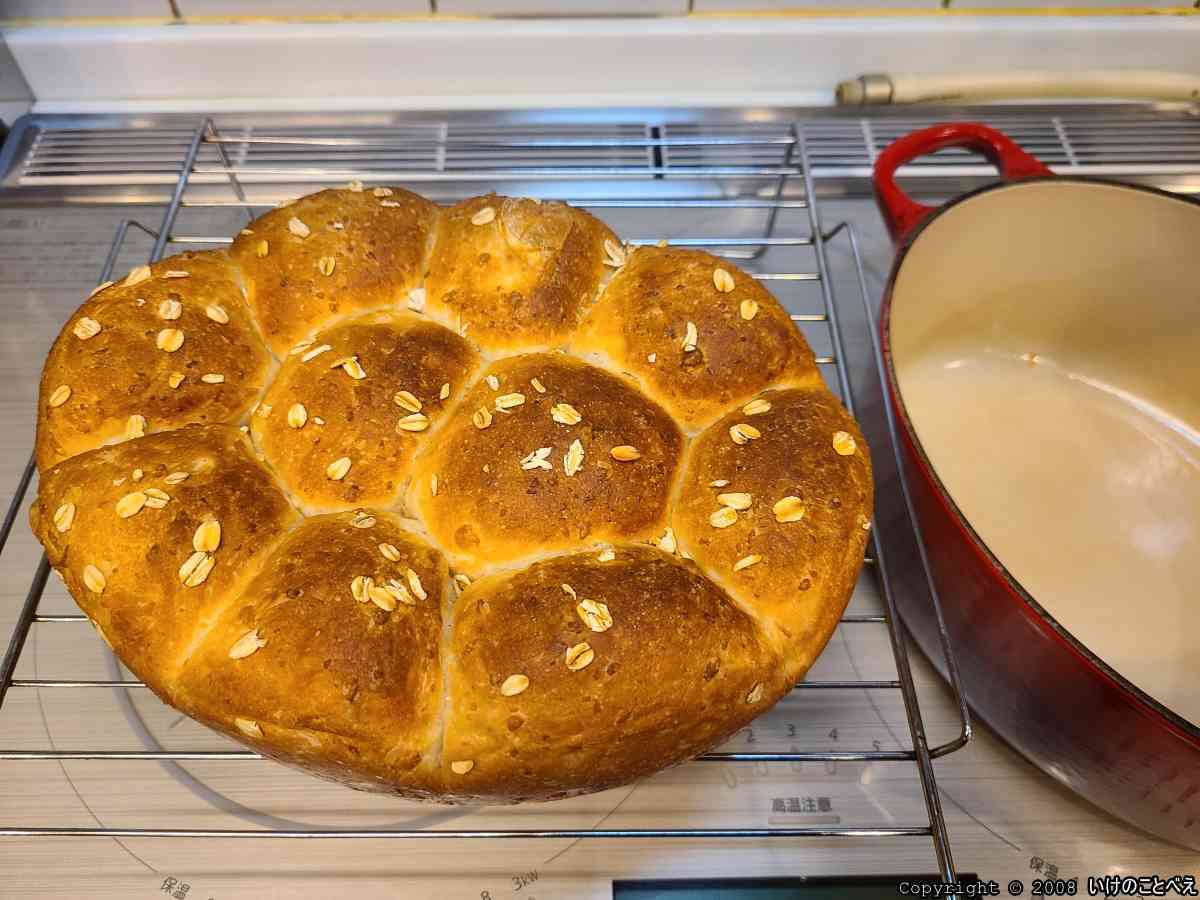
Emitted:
pixel 719 6
pixel 562 7
pixel 53 9
pixel 285 8
pixel 1068 4
pixel 50 9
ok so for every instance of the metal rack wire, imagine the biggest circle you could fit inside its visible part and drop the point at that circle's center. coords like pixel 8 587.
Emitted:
pixel 779 166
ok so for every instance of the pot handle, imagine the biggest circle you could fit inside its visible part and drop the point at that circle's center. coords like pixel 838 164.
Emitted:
pixel 901 213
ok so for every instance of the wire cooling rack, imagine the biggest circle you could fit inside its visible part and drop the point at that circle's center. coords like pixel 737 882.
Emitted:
pixel 730 169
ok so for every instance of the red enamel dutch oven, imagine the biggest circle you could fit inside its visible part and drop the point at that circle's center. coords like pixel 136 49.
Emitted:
pixel 1041 341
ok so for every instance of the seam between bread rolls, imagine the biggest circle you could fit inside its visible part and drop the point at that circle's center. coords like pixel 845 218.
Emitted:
pixel 255 324
pixel 760 621
pixel 284 487
pixel 273 367
pixel 445 660
pixel 218 608
pixel 765 623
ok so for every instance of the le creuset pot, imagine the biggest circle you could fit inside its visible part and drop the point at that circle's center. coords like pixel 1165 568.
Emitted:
pixel 1041 342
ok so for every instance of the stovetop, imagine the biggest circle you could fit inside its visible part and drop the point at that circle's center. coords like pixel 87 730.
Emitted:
pixel 1005 819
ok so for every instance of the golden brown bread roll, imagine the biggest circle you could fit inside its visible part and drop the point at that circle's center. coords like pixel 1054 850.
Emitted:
pixel 525 464
pixel 788 479
pixel 171 343
pixel 363 656
pixel 516 274
pixel 700 334
pixel 452 563
pixel 366 392
pixel 333 253
pixel 580 672
pixel 153 536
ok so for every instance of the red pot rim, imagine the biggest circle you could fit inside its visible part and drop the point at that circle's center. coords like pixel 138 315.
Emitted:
pixel 1024 600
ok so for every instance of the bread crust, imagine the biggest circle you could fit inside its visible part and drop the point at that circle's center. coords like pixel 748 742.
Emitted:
pixel 124 370
pixel 370 677
pixel 519 277
pixel 147 614
pixel 800 573
pixel 378 243
pixel 495 506
pixel 318 410
pixel 641 325
pixel 679 669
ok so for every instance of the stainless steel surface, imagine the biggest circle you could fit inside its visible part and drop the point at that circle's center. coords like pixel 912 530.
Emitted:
pixel 135 158
pixel 66 726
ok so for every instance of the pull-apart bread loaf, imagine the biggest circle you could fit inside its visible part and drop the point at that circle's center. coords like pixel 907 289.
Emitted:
pixel 470 504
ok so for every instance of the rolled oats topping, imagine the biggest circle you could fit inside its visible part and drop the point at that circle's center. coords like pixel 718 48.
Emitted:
pixel 667 543
pixel 690 337
pixel 94 580
pixel 137 276
pixel 413 422
pixel 407 400
pixel 565 414
pixel 514 685
pixel 247 645
pixel 723 517
pixel 59 396
pixel 414 584
pixel 788 509
pixel 248 727
pixel 207 536
pixel 722 281
pixel 196 568
pixel 86 328
pixel 742 433
pixel 580 656
pixel 746 562
pixel 169 340
pixel 337 469
pixel 131 504
pixel 64 516
pixel 573 460
pixel 595 615
pixel 538 459
pixel 735 500
pixel 844 443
